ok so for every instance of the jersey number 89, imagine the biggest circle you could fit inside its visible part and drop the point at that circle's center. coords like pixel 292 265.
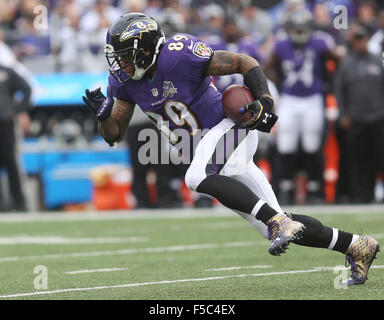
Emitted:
pixel 177 45
pixel 180 115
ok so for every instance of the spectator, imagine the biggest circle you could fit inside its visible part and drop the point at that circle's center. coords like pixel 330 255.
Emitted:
pixel 255 22
pixel 233 40
pixel 322 18
pixel 32 42
pixel 176 7
pixel 232 8
pixel 94 25
pixel 10 84
pixel 366 13
pixel 153 7
pixel 359 88
pixel 33 37
pixel 376 43
pixel 172 21
pixel 68 44
pixel 8 9
pixel 195 16
pixel 212 21
pixel 133 5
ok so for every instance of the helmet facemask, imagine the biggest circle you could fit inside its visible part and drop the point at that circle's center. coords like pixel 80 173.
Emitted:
pixel 132 58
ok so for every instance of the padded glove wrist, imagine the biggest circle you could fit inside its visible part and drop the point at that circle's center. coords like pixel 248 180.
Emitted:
pixel 100 105
pixel 263 119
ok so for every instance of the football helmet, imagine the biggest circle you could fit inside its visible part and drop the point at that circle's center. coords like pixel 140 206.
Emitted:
pixel 132 46
pixel 299 26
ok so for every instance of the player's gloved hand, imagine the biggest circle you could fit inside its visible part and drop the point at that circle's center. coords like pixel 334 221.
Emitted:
pixel 100 105
pixel 263 119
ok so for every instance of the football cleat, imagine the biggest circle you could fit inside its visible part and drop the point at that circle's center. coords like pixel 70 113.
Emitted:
pixel 360 256
pixel 282 231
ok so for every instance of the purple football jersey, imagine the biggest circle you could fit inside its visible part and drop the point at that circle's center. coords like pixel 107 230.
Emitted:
pixel 302 67
pixel 242 46
pixel 180 95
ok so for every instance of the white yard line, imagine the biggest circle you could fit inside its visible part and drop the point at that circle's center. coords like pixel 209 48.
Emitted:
pixel 140 284
pixel 137 250
pixel 225 225
pixel 49 240
pixel 240 267
pixel 333 268
pixel 96 270
pixel 180 213
pixel 377 235
pixel 115 215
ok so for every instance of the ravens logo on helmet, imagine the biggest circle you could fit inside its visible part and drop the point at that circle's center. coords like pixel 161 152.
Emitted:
pixel 132 46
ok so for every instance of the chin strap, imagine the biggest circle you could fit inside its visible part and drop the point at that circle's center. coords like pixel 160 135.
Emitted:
pixel 139 72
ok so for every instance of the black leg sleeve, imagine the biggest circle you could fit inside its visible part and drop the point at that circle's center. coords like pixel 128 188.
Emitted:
pixel 230 192
pixel 319 236
pixel 315 235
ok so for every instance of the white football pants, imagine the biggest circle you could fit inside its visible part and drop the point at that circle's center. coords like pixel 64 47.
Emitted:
pixel 238 164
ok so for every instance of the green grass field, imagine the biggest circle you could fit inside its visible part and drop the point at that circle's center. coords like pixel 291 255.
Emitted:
pixel 174 255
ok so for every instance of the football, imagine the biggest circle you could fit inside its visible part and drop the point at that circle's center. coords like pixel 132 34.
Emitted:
pixel 235 97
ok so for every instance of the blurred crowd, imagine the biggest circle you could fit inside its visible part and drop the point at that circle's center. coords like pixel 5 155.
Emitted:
pixel 69 35
pixel 50 36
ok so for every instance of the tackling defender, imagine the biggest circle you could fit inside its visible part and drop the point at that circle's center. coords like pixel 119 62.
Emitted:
pixel 171 81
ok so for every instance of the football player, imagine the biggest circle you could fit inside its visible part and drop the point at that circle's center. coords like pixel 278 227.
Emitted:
pixel 296 64
pixel 171 81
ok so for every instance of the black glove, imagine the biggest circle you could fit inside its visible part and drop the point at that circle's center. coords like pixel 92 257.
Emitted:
pixel 263 119
pixel 100 105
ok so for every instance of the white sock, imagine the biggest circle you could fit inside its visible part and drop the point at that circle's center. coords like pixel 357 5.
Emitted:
pixel 354 239
pixel 257 207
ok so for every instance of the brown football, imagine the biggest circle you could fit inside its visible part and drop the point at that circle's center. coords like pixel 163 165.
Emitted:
pixel 235 97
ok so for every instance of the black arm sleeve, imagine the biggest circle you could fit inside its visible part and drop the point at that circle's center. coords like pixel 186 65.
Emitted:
pixel 256 81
